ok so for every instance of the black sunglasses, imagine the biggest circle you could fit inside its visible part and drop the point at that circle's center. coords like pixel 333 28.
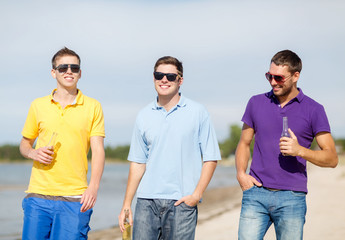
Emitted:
pixel 63 68
pixel 170 76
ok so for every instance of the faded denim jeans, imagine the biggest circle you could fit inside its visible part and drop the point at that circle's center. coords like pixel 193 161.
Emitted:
pixel 261 207
pixel 160 219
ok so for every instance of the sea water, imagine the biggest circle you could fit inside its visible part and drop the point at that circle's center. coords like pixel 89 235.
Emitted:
pixel 14 179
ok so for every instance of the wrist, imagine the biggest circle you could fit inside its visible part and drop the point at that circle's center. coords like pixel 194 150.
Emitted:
pixel 126 205
pixel 94 186
pixel 300 151
pixel 240 174
pixel 30 154
pixel 197 196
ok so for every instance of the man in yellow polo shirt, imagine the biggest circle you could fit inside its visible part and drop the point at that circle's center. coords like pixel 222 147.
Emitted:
pixel 66 124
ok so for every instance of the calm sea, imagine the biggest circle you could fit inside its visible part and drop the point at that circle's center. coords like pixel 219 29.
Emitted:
pixel 15 177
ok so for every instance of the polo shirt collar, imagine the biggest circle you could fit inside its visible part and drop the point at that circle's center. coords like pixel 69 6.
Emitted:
pixel 300 95
pixel 78 100
pixel 298 98
pixel 181 103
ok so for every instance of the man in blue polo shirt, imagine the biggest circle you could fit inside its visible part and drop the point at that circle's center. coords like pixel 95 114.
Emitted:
pixel 274 190
pixel 173 154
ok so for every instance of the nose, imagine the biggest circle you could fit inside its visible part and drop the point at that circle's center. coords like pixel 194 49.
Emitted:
pixel 165 79
pixel 273 81
pixel 69 70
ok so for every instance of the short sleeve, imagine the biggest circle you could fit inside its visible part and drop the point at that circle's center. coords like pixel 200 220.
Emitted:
pixel 98 121
pixel 30 129
pixel 208 141
pixel 248 114
pixel 319 121
pixel 138 151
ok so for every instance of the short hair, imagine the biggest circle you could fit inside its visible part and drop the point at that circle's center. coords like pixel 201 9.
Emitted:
pixel 288 58
pixel 172 61
pixel 63 52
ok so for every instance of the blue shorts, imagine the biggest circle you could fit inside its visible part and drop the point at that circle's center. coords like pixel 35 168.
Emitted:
pixel 54 219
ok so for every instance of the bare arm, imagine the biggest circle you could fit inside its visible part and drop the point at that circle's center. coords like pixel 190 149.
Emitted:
pixel 136 172
pixel 205 178
pixel 97 165
pixel 42 155
pixel 242 157
pixel 325 157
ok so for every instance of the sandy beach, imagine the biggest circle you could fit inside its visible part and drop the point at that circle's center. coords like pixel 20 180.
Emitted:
pixel 220 210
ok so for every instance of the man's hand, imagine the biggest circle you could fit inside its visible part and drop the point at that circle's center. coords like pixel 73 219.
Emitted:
pixel 88 199
pixel 246 181
pixel 43 155
pixel 190 200
pixel 290 146
pixel 122 218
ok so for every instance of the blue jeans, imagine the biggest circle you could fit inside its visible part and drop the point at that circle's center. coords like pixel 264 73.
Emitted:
pixel 160 219
pixel 51 219
pixel 261 207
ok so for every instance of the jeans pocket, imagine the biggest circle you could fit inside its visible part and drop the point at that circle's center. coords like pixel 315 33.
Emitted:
pixel 184 205
pixel 249 189
pixel 298 194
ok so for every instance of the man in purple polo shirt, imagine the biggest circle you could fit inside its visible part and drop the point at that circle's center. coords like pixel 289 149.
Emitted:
pixel 274 190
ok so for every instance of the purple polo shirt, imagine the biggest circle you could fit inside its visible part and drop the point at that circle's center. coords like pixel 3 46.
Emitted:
pixel 306 118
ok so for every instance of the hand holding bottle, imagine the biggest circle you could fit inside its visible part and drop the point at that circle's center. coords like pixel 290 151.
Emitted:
pixel 289 146
pixel 127 232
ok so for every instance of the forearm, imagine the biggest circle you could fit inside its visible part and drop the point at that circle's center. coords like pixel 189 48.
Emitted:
pixel 321 158
pixel 242 157
pixel 97 167
pixel 242 154
pixel 97 161
pixel 136 172
pixel 25 147
pixel 205 178
pixel 325 157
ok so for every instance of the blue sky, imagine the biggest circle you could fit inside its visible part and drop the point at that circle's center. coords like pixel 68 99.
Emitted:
pixel 225 47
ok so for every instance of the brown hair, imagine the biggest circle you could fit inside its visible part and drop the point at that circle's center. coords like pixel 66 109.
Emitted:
pixel 288 58
pixel 63 52
pixel 172 61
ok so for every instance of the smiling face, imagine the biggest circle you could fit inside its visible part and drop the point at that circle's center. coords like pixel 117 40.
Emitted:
pixel 165 88
pixel 286 88
pixel 67 80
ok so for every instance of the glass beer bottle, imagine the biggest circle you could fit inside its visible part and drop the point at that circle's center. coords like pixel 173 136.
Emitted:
pixel 52 141
pixel 285 132
pixel 127 233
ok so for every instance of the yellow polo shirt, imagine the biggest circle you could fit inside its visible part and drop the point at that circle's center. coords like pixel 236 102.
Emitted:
pixel 74 125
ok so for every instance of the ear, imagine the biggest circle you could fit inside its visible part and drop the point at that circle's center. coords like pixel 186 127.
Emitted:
pixel 53 73
pixel 295 77
pixel 180 81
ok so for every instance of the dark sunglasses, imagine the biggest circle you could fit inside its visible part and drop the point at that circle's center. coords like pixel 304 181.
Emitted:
pixel 170 76
pixel 63 68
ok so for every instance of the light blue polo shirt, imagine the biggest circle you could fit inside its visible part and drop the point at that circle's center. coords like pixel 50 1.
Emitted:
pixel 172 145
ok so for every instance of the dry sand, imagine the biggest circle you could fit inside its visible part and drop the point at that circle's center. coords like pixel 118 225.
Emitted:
pixel 220 210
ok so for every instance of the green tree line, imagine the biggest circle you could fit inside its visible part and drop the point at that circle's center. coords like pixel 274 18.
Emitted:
pixel 227 147
pixel 10 152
